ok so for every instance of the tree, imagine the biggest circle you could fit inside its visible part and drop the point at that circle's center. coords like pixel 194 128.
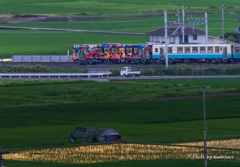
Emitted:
pixel 231 38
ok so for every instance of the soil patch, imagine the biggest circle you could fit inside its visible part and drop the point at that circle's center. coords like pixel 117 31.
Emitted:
pixel 43 18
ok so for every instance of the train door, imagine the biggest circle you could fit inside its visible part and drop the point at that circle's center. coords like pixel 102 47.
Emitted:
pixel 238 51
pixel 161 53
pixel 224 52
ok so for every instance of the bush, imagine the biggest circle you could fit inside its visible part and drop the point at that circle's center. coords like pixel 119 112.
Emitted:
pixel 231 38
pixel 38 68
pixel 213 7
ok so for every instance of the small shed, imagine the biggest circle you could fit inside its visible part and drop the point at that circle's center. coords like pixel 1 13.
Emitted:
pixel 94 135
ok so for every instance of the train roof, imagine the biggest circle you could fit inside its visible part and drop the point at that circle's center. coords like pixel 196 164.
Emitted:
pixel 190 45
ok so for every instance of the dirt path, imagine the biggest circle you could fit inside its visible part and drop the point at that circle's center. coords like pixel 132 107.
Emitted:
pixel 185 97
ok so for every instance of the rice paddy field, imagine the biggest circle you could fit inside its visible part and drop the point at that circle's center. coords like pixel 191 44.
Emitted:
pixel 57 92
pixel 94 7
pixel 36 129
pixel 37 117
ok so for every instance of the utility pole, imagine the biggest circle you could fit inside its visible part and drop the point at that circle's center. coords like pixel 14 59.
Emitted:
pixel 1 160
pixel 222 21
pixel 166 38
pixel 204 130
pixel 183 14
pixel 206 28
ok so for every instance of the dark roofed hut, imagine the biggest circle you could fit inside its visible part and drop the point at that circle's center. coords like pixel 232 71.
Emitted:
pixel 94 135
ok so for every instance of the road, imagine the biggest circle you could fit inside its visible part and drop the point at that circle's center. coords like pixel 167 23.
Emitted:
pixel 68 30
pixel 107 79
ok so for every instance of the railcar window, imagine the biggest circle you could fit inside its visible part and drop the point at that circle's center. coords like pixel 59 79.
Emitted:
pixel 180 50
pixel 114 50
pixel 225 52
pixel 202 49
pixel 121 50
pixel 135 50
pixel 170 50
pixel 195 49
pixel 210 50
pixel 161 53
pixel 99 50
pixel 216 49
pixel 106 50
pixel 129 50
pixel 220 49
pixel 156 50
pixel 187 49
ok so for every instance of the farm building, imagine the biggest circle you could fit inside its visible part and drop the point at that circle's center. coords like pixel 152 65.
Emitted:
pixel 192 35
pixel 94 135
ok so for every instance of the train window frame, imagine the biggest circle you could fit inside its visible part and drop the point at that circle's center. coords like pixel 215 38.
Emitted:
pixel 193 49
pixel 106 50
pixel 135 50
pixel 128 50
pixel 181 48
pixel 211 50
pixel 161 52
pixel 121 50
pixel 187 48
pixel 156 50
pixel 99 50
pixel 202 48
pixel 170 50
pixel 114 50
pixel 224 51
pixel 217 49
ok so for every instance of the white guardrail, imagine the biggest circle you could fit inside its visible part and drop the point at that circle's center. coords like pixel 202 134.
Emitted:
pixel 52 75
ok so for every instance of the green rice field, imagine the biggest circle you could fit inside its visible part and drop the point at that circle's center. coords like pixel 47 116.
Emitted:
pixel 100 7
pixel 45 92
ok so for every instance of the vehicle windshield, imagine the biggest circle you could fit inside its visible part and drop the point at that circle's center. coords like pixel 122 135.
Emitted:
pixel 124 69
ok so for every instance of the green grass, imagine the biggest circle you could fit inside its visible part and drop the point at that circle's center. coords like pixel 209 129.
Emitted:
pixel 153 163
pixel 15 102
pixel 138 24
pixel 35 92
pixel 55 43
pixel 101 7
pixel 153 122
pixel 158 121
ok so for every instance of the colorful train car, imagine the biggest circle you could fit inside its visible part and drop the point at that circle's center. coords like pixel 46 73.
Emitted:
pixel 155 53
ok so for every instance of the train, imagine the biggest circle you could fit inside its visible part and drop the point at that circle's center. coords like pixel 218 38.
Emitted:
pixel 155 53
